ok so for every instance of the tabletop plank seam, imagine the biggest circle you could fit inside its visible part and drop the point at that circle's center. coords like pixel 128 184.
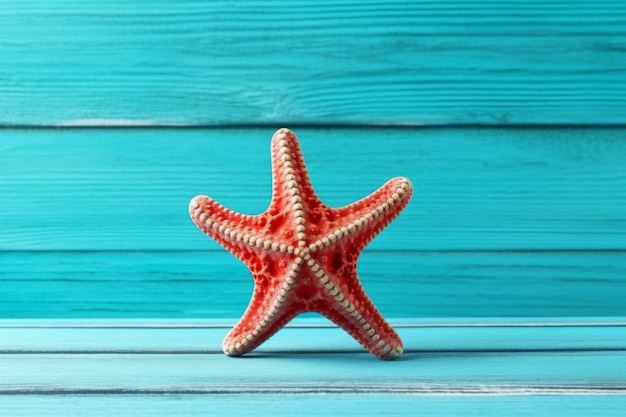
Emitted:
pixel 590 349
pixel 419 389
pixel 157 326
pixel 314 125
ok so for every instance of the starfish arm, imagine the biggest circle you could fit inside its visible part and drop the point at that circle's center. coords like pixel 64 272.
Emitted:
pixel 362 220
pixel 230 229
pixel 348 305
pixel 255 327
pixel 269 309
pixel 291 185
pixel 355 312
pixel 379 338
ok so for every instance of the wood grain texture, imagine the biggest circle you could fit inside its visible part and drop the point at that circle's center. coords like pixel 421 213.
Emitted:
pixel 453 370
pixel 214 284
pixel 306 336
pixel 366 62
pixel 475 189
pixel 508 226
pixel 504 222
pixel 447 360
pixel 357 405
pixel 573 373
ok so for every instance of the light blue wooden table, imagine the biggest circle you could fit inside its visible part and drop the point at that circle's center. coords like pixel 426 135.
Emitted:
pixel 505 276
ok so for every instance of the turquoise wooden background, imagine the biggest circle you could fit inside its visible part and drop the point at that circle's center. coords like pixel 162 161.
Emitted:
pixel 504 222
pixel 508 116
pixel 505 276
pixel 283 62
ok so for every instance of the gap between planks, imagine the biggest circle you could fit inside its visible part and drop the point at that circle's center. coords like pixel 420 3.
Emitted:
pixel 306 323
pixel 409 389
pixel 142 125
pixel 307 338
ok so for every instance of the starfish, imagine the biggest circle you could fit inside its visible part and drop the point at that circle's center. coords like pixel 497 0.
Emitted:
pixel 303 254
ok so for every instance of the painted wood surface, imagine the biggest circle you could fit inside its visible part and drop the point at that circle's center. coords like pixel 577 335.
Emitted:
pixel 490 370
pixel 366 62
pixel 308 335
pixel 214 284
pixel 475 189
pixel 508 225
pixel 504 222
pixel 356 405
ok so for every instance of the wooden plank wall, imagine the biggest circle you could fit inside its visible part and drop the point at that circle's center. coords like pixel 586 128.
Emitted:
pixel 399 62
pixel 504 222
pixel 508 116
pixel 505 276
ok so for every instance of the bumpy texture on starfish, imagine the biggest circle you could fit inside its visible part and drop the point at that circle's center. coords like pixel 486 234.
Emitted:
pixel 303 254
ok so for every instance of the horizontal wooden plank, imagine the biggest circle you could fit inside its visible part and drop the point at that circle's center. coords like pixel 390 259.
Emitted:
pixel 539 360
pixel 516 370
pixel 214 284
pixel 308 321
pixel 475 375
pixel 480 374
pixel 304 337
pixel 196 62
pixel 475 189
pixel 309 405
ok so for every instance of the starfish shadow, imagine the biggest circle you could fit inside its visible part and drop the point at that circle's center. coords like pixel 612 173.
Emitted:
pixel 343 356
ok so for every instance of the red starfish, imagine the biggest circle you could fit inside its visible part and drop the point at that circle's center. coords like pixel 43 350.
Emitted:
pixel 303 254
